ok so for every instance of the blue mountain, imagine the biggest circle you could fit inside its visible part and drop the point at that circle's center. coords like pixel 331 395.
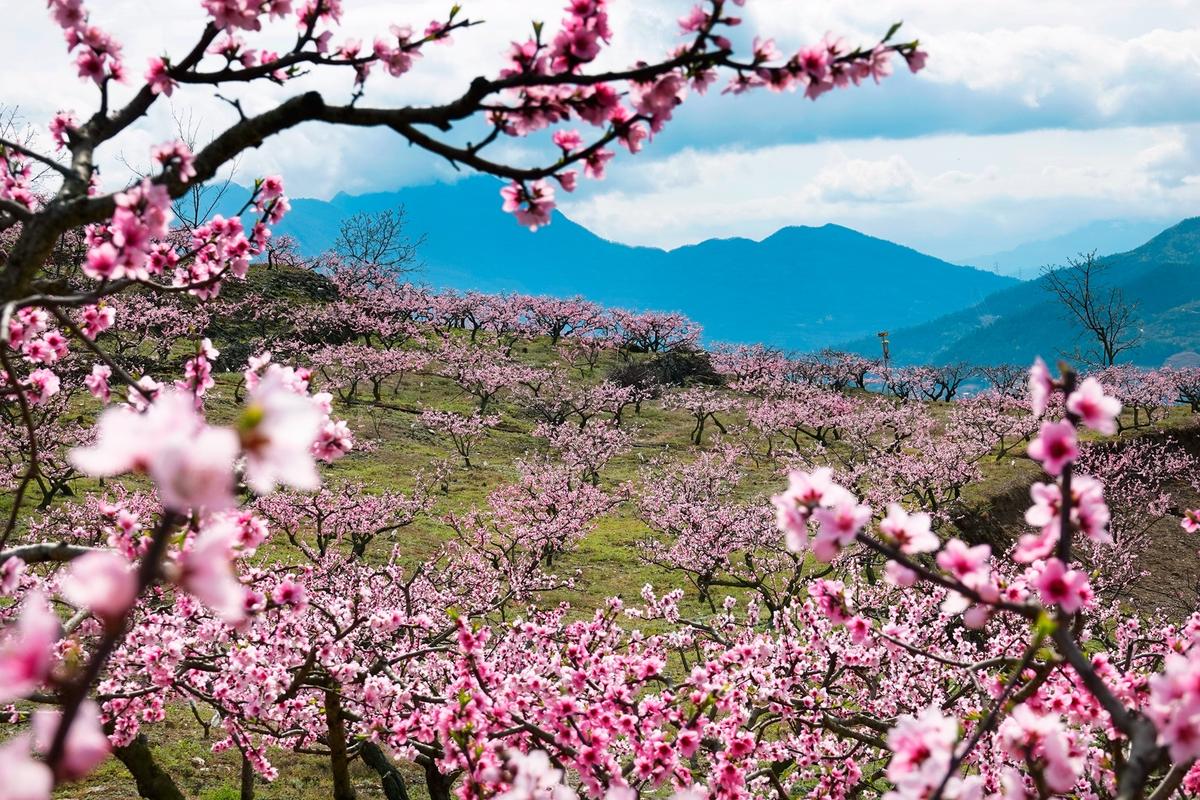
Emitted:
pixel 1104 236
pixel 1161 278
pixel 801 288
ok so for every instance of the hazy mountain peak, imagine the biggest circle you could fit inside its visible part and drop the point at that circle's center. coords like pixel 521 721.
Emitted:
pixel 738 289
pixel 1161 277
pixel 1104 236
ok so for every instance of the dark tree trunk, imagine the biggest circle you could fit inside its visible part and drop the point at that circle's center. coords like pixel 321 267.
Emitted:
pixel 152 782
pixel 394 787
pixel 339 760
pixel 435 781
pixel 247 792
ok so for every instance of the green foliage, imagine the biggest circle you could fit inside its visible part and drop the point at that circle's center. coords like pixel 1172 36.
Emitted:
pixel 221 793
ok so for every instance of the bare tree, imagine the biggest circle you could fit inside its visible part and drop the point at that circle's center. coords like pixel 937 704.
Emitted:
pixel 948 379
pixel 378 239
pixel 201 199
pixel 14 128
pixel 69 248
pixel 1100 309
pixel 1009 379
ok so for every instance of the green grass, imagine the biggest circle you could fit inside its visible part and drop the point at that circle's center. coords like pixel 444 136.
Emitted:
pixel 607 558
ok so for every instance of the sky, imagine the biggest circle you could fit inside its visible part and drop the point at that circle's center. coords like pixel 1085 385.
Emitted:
pixel 1034 117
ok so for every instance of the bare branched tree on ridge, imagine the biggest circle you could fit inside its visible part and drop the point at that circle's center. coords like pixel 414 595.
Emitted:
pixel 1096 306
pixel 378 239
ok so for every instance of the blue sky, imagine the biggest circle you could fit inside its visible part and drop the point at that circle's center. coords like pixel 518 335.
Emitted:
pixel 1034 117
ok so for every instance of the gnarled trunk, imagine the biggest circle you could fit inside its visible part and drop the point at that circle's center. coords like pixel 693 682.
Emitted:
pixel 437 783
pixel 339 759
pixel 247 788
pixel 394 787
pixel 153 783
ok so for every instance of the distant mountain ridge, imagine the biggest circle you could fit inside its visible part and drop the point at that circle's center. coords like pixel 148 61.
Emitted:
pixel 1161 276
pixel 801 288
pixel 1026 260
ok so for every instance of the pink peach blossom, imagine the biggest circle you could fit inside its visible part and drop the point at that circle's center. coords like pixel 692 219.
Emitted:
pixel 85 745
pixel 1059 586
pixel 102 582
pixel 1055 446
pixel 1094 408
pixel 26 654
pixel 1040 386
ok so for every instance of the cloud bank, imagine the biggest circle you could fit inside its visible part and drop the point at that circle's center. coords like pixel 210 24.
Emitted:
pixel 1032 118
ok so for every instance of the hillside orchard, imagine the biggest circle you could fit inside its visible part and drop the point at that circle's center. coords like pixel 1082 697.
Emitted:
pixel 320 516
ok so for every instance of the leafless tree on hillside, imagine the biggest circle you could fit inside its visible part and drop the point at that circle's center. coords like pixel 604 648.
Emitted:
pixel 378 239
pixel 1009 379
pixel 201 199
pixel 14 128
pixel 1101 310
pixel 949 378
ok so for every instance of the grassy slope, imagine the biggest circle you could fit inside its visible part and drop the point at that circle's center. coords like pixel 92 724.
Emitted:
pixel 607 558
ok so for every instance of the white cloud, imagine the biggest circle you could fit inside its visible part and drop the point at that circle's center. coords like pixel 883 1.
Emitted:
pixel 952 195
pixel 1116 58
pixel 1109 73
pixel 890 180
pixel 1126 74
